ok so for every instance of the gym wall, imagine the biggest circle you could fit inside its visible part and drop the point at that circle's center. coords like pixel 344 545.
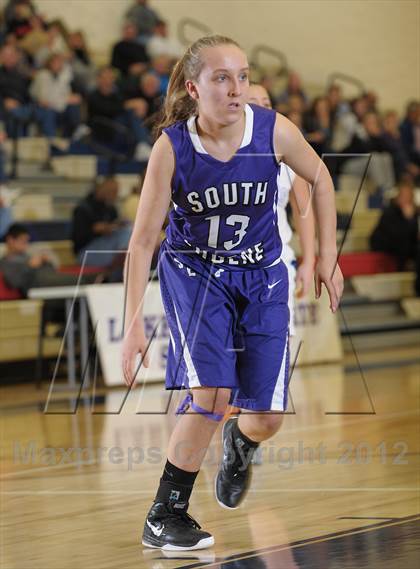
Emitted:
pixel 377 41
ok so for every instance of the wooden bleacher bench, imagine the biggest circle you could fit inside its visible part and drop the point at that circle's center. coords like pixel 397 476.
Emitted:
pixel 19 331
pixel 411 307
pixel 385 286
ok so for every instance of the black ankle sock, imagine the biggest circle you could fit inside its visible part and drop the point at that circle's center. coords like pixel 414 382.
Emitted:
pixel 172 473
pixel 175 486
pixel 247 443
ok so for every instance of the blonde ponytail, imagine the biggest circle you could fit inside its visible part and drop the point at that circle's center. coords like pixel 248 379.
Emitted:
pixel 178 104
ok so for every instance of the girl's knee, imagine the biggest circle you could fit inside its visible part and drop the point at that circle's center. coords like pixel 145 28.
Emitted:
pixel 269 422
pixel 214 399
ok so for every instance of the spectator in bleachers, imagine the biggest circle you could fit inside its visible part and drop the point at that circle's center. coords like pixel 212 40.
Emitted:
pixel 36 39
pixel 397 229
pixel 3 137
pixel 268 82
pixel 294 88
pixel 107 109
pixel 410 132
pixel 392 136
pixel 161 44
pixel 98 228
pixel 105 102
pixel 18 15
pixel 81 63
pixel 317 125
pixel 337 105
pixel 144 18
pixel 14 88
pixel 129 56
pixel 9 9
pixel 14 92
pixel 371 99
pixel 56 43
pixel 146 88
pixel 52 92
pixel 347 122
pixel 370 140
pixel 6 216
pixel 23 271
pixel 162 67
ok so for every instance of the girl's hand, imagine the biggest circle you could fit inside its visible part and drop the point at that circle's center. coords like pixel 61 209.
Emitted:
pixel 304 276
pixel 327 271
pixel 134 343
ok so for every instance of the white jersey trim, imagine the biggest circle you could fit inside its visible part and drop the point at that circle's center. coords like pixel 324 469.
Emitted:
pixel 246 140
pixel 193 380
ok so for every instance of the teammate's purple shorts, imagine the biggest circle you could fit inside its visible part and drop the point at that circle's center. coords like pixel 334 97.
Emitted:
pixel 228 328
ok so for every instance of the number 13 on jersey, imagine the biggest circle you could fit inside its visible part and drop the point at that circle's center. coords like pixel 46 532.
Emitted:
pixel 232 220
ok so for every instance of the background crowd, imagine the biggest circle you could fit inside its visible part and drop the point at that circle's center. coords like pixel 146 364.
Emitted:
pixel 50 85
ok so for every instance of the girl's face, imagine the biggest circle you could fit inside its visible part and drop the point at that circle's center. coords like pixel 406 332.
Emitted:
pixel 221 89
pixel 258 95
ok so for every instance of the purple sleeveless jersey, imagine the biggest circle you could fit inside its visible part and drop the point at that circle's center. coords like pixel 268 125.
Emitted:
pixel 226 212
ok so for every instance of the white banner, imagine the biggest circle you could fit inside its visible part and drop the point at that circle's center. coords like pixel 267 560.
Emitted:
pixel 106 306
pixel 317 336
pixel 316 331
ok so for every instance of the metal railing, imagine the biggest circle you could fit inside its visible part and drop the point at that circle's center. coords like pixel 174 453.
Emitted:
pixel 196 26
pixel 279 57
pixel 338 77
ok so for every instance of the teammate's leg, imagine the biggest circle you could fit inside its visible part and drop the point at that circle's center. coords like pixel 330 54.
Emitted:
pixel 263 376
pixel 260 426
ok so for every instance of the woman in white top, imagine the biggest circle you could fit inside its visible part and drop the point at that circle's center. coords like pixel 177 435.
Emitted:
pixel 299 279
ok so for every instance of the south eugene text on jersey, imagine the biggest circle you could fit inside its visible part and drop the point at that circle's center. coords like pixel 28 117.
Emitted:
pixel 226 212
pixel 246 193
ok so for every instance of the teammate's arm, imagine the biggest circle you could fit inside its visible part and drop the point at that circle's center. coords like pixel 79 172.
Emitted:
pixel 151 212
pixel 291 147
pixel 303 217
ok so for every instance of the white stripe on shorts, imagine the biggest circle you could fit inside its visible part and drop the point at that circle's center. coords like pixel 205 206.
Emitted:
pixel 277 402
pixel 192 375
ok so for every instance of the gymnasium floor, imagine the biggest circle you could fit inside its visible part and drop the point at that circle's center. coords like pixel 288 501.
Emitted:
pixel 351 499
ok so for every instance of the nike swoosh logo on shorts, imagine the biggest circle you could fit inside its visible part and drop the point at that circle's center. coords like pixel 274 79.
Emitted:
pixel 272 285
pixel 154 529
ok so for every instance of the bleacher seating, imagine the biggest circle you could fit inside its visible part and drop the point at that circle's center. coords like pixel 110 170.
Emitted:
pixel 387 286
pixel 19 331
pixel 7 293
pixel 366 263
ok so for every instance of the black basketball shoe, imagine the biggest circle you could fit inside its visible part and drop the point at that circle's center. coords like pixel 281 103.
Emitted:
pixel 234 476
pixel 171 529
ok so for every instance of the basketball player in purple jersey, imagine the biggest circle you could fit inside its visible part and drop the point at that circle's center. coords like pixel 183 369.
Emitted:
pixel 223 284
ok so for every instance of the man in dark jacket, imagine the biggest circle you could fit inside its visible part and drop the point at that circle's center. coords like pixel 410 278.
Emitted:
pixel 98 234
pixel 16 107
pixel 410 132
pixel 397 229
pixel 128 55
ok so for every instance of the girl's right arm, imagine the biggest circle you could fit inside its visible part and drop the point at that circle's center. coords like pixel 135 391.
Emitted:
pixel 151 212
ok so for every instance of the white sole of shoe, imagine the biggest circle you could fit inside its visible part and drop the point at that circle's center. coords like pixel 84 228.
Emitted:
pixel 202 544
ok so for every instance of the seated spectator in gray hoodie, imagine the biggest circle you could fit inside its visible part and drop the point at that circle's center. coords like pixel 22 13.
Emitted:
pixel 23 271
